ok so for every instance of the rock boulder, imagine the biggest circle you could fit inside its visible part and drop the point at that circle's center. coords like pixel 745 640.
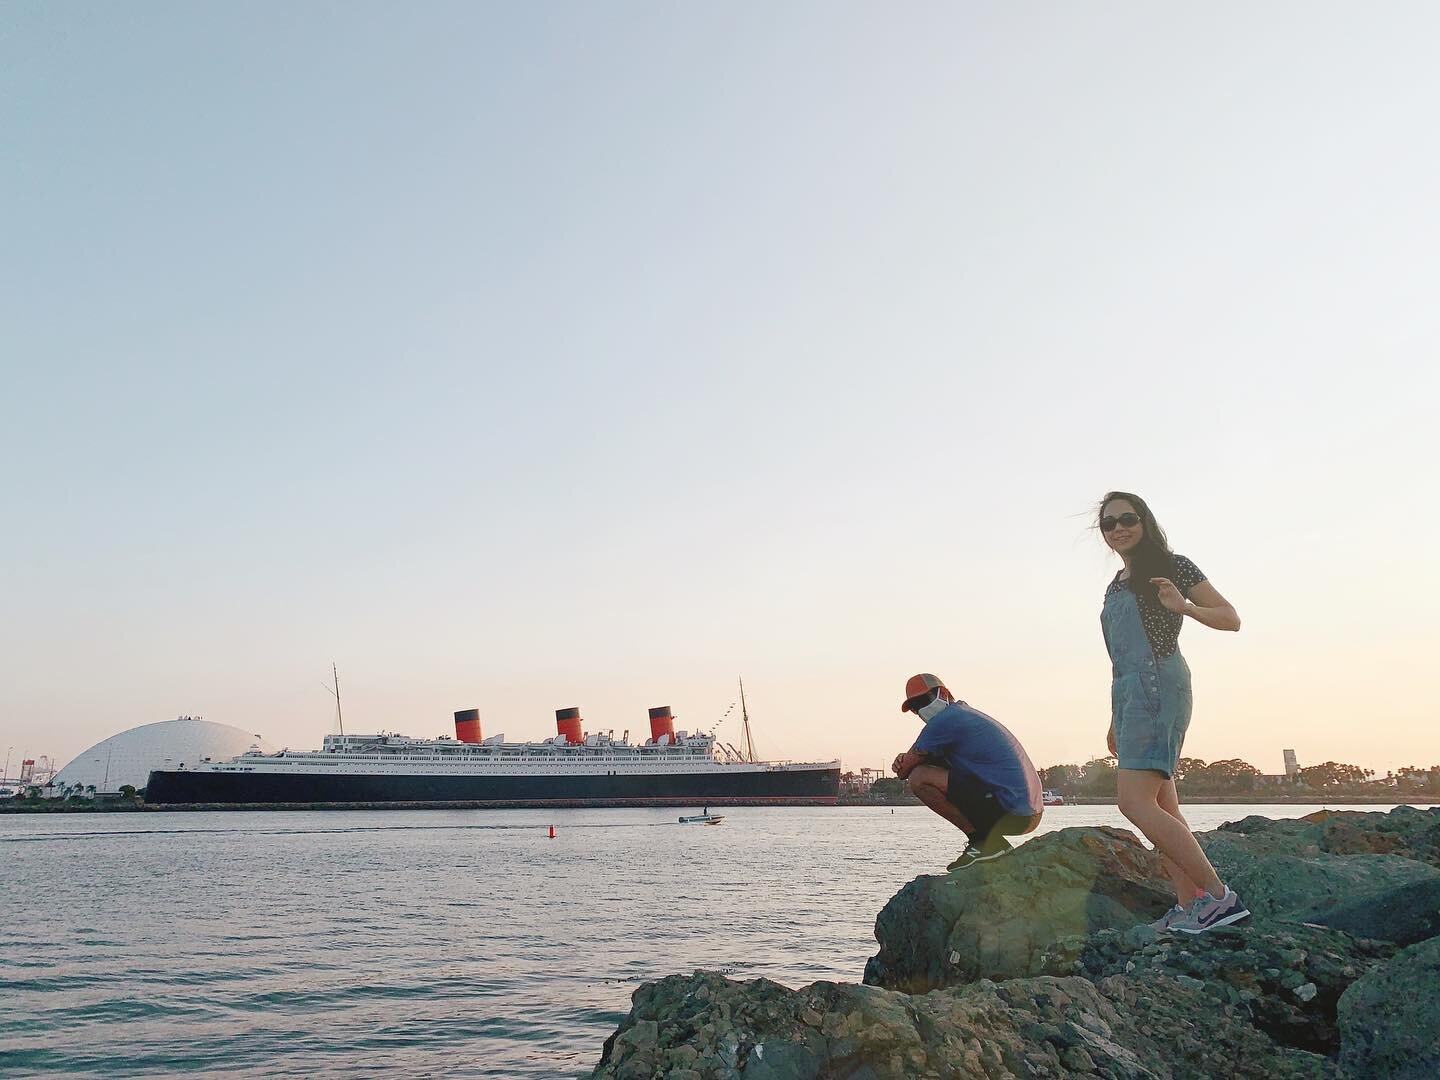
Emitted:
pixel 1307 883
pixel 1286 978
pixel 1408 831
pixel 1404 915
pixel 1002 919
pixel 706 1027
pixel 1042 964
pixel 1390 1019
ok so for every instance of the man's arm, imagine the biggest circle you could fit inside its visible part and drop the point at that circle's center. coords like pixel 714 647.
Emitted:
pixel 905 764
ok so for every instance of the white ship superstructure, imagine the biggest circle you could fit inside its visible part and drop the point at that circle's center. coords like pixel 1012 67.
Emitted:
pixel 572 768
pixel 389 754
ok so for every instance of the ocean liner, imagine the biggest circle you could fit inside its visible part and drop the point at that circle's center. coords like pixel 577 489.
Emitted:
pixel 573 768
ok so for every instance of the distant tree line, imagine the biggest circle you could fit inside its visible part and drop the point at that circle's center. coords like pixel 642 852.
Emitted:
pixel 1231 776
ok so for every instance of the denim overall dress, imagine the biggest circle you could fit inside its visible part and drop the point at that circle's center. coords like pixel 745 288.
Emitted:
pixel 1150 697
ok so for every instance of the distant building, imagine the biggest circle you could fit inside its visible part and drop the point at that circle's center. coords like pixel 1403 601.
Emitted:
pixel 127 758
pixel 853 783
pixel 1292 766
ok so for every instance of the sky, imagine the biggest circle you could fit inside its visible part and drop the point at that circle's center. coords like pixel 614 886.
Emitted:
pixel 518 356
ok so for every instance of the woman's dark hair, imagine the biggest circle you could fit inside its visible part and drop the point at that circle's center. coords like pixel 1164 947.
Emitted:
pixel 1152 556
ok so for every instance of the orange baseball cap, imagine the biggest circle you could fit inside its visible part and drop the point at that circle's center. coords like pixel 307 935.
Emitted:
pixel 917 685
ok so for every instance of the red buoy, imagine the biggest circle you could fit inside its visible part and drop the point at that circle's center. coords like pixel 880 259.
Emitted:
pixel 552 832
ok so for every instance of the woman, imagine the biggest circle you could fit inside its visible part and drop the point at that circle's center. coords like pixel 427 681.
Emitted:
pixel 1145 606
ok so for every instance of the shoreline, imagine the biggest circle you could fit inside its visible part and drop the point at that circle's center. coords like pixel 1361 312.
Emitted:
pixel 1315 798
pixel 1310 799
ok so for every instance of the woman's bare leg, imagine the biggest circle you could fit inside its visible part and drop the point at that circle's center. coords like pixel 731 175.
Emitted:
pixel 1185 889
pixel 1139 791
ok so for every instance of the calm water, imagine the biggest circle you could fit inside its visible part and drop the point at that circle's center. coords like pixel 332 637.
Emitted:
pixel 456 943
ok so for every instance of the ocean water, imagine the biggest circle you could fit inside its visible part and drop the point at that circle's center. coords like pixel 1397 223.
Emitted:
pixel 424 943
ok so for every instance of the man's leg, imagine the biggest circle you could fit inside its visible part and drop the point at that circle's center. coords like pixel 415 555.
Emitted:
pixel 930 783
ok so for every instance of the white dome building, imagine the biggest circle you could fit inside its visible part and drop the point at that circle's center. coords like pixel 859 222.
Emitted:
pixel 127 758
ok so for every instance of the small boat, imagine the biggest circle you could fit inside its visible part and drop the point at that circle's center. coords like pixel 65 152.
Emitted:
pixel 706 818
pixel 1052 798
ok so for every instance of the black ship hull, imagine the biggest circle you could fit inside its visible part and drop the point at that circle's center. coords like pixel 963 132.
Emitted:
pixel 805 787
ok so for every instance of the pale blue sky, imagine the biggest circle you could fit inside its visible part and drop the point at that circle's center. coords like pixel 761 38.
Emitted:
pixel 523 356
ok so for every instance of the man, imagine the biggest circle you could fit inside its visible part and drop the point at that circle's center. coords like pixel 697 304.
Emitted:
pixel 970 770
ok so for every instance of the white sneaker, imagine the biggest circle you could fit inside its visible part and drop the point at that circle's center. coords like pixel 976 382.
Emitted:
pixel 1164 922
pixel 1207 913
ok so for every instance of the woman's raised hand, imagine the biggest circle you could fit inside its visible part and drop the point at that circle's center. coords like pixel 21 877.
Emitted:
pixel 1170 596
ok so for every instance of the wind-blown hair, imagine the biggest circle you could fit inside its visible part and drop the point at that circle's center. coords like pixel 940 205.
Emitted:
pixel 1152 556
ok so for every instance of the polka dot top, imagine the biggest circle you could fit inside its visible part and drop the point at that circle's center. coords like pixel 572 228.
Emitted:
pixel 1162 626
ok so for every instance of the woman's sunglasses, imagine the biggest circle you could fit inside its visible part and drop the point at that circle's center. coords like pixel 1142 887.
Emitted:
pixel 1108 523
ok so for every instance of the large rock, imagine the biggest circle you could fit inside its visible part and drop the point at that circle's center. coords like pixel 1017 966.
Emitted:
pixel 1390 1019
pixel 1285 978
pixel 1403 915
pixel 1309 886
pixel 1317 977
pixel 1371 875
pixel 704 1026
pixel 1407 831
pixel 1001 919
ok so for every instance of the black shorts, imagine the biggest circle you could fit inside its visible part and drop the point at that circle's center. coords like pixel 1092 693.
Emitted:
pixel 984 812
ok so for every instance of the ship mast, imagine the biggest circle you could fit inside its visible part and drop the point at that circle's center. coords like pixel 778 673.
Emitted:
pixel 335 693
pixel 745 715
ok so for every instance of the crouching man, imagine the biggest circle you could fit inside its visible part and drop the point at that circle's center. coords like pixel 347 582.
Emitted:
pixel 970 770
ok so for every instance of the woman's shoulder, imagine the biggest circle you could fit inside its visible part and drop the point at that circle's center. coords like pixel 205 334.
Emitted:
pixel 1186 572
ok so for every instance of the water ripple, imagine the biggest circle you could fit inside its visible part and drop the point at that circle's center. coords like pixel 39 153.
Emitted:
pixel 415 943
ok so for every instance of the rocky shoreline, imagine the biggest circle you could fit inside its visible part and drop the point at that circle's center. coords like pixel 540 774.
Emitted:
pixel 1042 965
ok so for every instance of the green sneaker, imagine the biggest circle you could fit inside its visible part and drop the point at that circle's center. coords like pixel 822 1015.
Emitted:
pixel 996 849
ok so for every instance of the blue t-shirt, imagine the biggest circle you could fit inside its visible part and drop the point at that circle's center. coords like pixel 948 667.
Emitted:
pixel 980 747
